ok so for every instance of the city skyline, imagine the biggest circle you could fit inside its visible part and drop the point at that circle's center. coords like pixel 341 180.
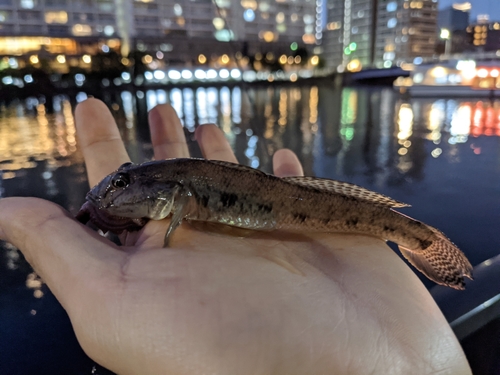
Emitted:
pixel 478 7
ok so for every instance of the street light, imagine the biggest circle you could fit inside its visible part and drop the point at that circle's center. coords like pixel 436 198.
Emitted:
pixel 446 35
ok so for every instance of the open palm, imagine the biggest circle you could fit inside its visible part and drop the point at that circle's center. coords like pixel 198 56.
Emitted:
pixel 264 303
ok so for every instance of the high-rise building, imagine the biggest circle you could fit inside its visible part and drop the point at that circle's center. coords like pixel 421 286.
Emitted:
pixel 378 33
pixel 181 29
pixel 455 17
pixel 406 29
pixel 453 22
pixel 485 37
pixel 349 33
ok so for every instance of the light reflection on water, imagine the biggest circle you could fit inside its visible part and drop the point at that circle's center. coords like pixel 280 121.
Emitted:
pixel 27 138
pixel 440 155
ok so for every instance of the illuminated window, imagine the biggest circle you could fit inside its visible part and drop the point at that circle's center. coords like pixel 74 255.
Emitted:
pixel 281 28
pixel 392 6
pixel 4 16
pixel 333 25
pixel 218 23
pixel 27 4
pixel 264 6
pixel 249 4
pixel 392 23
pixel 308 19
pixel 294 17
pixel 389 56
pixel 56 17
pixel 224 35
pixel 177 10
pixel 106 5
pixel 223 3
pixel 389 47
pixel 109 30
pixel 268 36
pixel 81 30
pixel 249 15
pixel 308 39
pixel 280 17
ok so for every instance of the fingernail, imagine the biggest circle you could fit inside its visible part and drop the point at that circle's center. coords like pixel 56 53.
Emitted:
pixel 154 114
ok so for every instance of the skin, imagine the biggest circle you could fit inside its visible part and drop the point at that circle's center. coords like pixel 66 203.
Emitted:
pixel 223 304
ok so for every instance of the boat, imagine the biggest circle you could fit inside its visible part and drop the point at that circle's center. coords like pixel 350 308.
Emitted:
pixel 454 78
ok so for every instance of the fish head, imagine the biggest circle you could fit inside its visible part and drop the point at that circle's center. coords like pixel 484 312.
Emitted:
pixel 130 193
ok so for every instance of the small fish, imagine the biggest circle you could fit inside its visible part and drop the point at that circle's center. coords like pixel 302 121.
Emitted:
pixel 239 196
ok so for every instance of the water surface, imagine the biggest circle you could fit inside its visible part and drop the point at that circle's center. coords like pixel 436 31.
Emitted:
pixel 440 155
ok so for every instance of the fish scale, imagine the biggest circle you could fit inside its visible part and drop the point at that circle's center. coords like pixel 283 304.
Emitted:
pixel 240 196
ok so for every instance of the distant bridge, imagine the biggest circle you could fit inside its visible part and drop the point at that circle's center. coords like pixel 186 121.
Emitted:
pixel 378 74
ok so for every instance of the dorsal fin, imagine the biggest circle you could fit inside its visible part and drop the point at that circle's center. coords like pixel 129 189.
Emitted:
pixel 345 188
pixel 236 166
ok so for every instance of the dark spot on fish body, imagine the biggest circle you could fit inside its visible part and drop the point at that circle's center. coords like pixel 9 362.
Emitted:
pixel 228 199
pixel 203 200
pixel 352 222
pixel 424 244
pixel 388 229
pixel 265 208
pixel 326 221
pixel 299 217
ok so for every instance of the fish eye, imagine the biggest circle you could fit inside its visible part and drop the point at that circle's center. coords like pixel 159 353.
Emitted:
pixel 120 181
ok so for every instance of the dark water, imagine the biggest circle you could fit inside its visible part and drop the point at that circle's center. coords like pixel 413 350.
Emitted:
pixel 440 155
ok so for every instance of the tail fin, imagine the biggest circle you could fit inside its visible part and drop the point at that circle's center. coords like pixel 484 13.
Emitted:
pixel 442 262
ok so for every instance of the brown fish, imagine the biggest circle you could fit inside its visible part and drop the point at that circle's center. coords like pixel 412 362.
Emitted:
pixel 235 195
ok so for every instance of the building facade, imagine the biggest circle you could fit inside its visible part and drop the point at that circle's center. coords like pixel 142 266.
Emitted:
pixel 180 29
pixel 484 37
pixel 405 30
pixel 349 33
pixel 378 33
pixel 455 17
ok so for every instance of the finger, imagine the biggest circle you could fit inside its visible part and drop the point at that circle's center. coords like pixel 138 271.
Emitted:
pixel 99 139
pixel 68 256
pixel 286 163
pixel 167 133
pixel 213 143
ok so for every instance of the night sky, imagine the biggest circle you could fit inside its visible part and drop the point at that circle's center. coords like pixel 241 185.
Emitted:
pixel 490 7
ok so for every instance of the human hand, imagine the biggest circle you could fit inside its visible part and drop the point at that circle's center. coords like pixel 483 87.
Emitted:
pixel 222 304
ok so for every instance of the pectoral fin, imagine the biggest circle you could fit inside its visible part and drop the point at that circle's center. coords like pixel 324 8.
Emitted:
pixel 181 210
